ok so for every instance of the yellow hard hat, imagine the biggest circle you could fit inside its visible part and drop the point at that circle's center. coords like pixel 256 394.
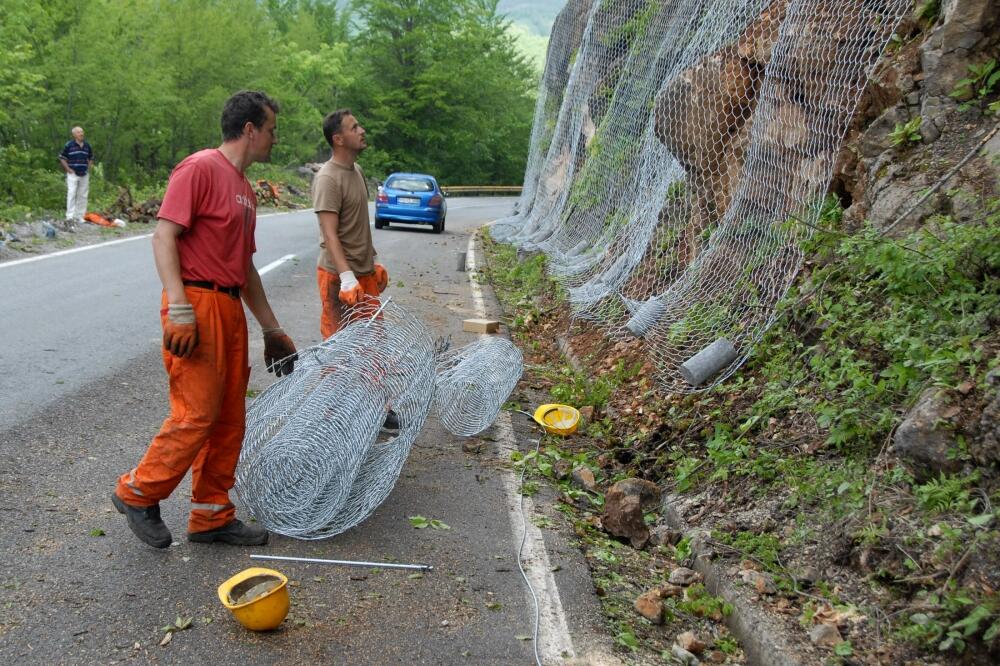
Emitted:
pixel 558 419
pixel 257 597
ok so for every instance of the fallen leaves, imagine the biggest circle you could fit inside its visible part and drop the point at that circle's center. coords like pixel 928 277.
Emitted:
pixel 420 523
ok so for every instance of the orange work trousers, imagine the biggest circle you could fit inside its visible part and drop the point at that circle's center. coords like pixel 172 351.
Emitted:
pixel 204 431
pixel 333 310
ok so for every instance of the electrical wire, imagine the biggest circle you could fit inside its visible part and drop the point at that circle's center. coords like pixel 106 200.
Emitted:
pixel 520 551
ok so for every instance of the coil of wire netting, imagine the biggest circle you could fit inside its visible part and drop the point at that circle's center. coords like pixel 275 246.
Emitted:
pixel 474 381
pixel 315 459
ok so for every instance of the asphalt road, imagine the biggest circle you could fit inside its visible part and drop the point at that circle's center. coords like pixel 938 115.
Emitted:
pixel 83 390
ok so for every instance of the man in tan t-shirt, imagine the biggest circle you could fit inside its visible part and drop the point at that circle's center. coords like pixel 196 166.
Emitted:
pixel 346 270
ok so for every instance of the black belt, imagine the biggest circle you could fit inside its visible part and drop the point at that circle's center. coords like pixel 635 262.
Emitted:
pixel 205 284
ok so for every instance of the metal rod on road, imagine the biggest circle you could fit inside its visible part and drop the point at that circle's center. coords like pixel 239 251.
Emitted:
pixel 346 563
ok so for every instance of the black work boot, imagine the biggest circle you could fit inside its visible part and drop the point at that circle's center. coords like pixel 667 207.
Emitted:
pixel 235 533
pixel 145 522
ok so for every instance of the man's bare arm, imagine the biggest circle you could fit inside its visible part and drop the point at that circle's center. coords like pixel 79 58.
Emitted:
pixel 329 223
pixel 168 261
pixel 256 300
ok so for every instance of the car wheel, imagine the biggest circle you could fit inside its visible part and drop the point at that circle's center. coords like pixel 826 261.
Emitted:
pixel 379 223
pixel 438 226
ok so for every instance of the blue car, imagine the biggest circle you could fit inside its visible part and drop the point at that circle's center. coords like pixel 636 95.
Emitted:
pixel 410 198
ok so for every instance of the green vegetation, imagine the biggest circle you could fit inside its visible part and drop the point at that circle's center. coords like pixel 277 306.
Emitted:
pixel 522 281
pixel 980 83
pixel 441 86
pixel 906 133
pixel 871 324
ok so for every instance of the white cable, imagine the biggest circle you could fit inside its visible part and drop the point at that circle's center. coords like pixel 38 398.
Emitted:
pixel 520 550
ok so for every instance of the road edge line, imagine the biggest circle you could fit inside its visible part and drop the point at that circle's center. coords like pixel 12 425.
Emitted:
pixel 554 642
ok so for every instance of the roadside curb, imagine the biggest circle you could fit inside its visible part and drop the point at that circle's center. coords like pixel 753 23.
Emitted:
pixel 763 642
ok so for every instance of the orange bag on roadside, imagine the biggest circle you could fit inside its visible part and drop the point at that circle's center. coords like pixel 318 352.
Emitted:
pixel 94 218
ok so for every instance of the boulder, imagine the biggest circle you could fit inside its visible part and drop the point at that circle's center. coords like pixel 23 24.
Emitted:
pixel 647 492
pixel 921 441
pixel 622 517
pixel 985 448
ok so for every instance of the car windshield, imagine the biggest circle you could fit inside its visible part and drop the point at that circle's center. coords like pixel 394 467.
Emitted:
pixel 411 184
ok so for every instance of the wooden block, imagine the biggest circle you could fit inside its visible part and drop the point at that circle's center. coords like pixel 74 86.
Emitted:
pixel 480 325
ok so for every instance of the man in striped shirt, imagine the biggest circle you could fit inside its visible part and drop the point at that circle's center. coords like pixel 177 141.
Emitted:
pixel 76 158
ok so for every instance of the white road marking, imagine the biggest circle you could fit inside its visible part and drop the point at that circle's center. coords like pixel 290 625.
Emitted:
pixel 60 253
pixel 274 264
pixel 554 641
pixel 117 241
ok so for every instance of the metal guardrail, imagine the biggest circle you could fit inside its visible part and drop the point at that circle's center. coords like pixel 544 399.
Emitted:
pixel 481 189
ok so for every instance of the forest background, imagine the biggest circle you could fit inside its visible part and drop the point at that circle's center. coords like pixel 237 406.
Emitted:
pixel 442 86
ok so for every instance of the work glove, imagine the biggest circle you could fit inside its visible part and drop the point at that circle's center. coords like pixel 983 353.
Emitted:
pixel 180 332
pixel 351 292
pixel 381 277
pixel 279 352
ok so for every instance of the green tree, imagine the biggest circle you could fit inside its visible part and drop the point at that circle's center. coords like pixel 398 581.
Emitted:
pixel 446 89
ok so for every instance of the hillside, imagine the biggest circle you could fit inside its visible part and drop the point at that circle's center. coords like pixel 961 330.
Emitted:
pixel 818 191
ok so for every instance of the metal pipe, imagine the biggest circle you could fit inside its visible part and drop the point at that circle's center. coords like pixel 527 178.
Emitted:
pixel 345 563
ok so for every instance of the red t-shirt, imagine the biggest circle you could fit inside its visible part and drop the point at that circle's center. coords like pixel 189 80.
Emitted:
pixel 217 207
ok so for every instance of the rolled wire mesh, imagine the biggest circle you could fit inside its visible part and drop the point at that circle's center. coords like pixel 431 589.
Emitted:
pixel 692 153
pixel 474 381
pixel 312 463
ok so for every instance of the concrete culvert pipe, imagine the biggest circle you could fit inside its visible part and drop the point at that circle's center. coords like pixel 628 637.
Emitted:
pixel 708 362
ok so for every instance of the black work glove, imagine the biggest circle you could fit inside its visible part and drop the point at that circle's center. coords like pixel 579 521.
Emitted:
pixel 279 352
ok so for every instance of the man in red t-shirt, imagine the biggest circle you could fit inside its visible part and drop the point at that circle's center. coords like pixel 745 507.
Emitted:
pixel 202 248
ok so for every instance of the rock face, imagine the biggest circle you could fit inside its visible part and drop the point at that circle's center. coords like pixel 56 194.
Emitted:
pixel 985 447
pixel 921 441
pixel 881 181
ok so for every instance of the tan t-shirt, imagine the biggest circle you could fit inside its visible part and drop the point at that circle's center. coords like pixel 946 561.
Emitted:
pixel 343 190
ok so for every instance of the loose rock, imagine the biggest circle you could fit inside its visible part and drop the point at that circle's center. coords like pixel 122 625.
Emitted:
pixel 584 478
pixel 825 635
pixel 661 535
pixel 690 642
pixel 647 492
pixel 684 656
pixel 649 605
pixel 684 576
pixel 623 517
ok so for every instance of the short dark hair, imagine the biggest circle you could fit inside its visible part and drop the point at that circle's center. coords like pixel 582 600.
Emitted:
pixel 332 122
pixel 245 106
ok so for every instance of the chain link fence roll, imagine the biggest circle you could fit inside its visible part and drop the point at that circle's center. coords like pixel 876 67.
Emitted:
pixel 474 381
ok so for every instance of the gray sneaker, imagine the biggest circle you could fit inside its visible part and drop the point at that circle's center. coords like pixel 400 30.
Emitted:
pixel 144 522
pixel 235 533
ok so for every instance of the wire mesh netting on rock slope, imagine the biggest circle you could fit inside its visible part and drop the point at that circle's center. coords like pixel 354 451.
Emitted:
pixel 315 460
pixel 682 149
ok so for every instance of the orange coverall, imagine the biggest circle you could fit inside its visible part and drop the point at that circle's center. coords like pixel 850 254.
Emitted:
pixel 333 310
pixel 207 416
